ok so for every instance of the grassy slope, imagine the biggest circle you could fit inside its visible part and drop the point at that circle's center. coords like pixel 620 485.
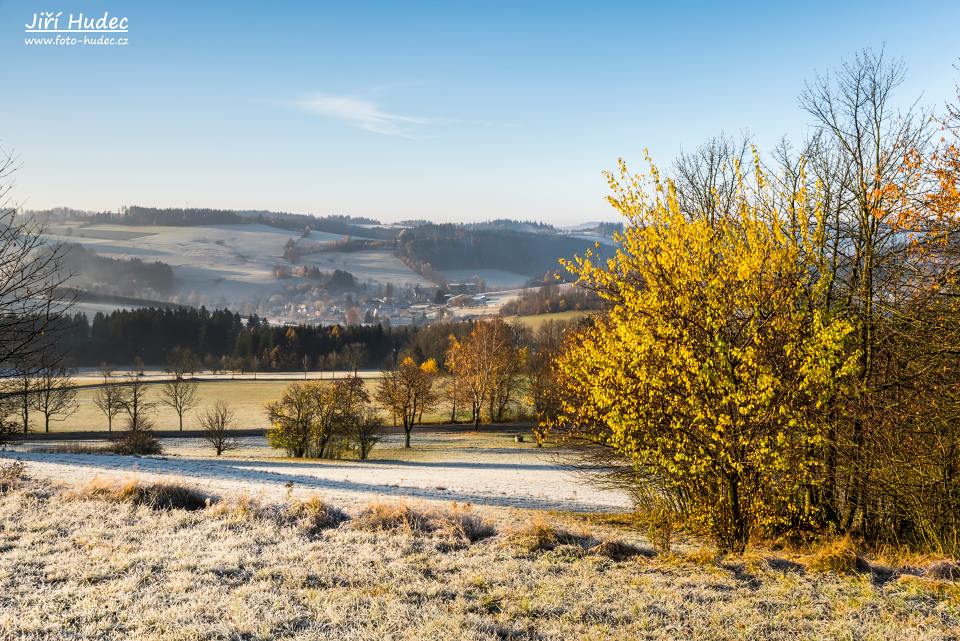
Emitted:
pixel 81 568
pixel 536 320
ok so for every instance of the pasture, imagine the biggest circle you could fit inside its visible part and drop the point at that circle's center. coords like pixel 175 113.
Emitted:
pixel 535 321
pixel 245 396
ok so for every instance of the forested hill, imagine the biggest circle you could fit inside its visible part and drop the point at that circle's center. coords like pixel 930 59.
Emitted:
pixel 335 224
pixel 451 246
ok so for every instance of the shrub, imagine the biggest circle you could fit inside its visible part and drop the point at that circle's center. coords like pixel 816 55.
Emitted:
pixel 659 518
pixel 708 329
pixel 137 443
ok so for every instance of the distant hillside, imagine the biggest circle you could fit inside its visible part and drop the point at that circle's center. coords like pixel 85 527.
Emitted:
pixel 334 224
pixel 461 247
pixel 115 276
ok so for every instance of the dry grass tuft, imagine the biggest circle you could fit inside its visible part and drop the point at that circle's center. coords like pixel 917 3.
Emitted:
pixel 701 556
pixel 616 550
pixel 159 496
pixel 242 508
pixel 316 515
pixel 839 556
pixel 540 536
pixel 12 476
pixel 462 523
pixel 458 523
pixel 399 516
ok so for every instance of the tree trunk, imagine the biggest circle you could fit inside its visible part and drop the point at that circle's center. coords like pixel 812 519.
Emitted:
pixel 739 532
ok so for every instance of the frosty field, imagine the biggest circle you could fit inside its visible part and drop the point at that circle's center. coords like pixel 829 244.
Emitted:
pixel 481 468
pixel 82 560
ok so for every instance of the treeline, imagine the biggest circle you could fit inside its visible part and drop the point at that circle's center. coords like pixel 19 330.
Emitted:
pixel 224 339
pixel 186 216
pixel 174 216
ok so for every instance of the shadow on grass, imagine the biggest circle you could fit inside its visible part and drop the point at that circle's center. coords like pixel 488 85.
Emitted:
pixel 282 473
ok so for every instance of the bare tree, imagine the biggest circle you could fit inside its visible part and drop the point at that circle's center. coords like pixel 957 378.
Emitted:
pixel 180 393
pixel 136 404
pixel 105 371
pixel 19 387
pixel 355 354
pixel 861 141
pixel 217 421
pixel 706 179
pixel 54 395
pixel 109 399
pixel 31 305
pixel 363 432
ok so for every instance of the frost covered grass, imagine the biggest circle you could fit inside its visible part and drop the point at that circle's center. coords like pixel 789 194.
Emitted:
pixel 81 564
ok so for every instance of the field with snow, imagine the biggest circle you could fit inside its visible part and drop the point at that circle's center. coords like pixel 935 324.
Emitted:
pixel 481 468
pixel 377 265
pixel 495 278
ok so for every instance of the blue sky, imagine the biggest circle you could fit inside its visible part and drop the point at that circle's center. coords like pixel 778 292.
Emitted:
pixel 449 111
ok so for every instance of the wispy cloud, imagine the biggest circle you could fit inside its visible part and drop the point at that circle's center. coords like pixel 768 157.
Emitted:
pixel 362 113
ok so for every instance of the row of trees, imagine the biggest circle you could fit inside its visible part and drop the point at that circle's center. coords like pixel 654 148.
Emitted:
pixel 779 356
pixel 224 340
pixel 490 372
